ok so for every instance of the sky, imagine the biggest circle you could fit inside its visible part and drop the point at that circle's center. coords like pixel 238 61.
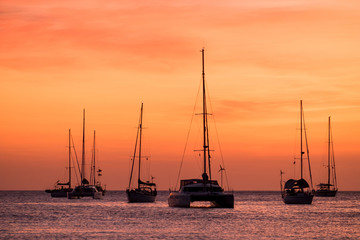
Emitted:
pixel 261 58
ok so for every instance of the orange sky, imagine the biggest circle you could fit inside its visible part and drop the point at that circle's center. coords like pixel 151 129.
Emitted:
pixel 262 57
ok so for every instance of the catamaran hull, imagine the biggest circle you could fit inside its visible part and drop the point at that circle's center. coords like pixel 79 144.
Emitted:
pixel 325 193
pixel 223 200
pixel 298 199
pixel 135 196
pixel 86 191
pixel 58 193
pixel 95 195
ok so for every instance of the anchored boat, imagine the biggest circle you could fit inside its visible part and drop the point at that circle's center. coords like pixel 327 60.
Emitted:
pixel 145 191
pixel 205 189
pixel 298 191
pixel 329 189
pixel 87 189
pixel 61 189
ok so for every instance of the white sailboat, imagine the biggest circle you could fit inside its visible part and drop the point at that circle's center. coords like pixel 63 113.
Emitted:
pixel 59 190
pixel 298 191
pixel 145 191
pixel 205 189
pixel 84 189
pixel 329 189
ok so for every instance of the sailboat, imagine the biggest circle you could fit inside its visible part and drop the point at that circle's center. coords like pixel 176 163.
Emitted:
pixel 96 172
pixel 84 189
pixel 329 189
pixel 60 190
pixel 205 189
pixel 145 191
pixel 298 191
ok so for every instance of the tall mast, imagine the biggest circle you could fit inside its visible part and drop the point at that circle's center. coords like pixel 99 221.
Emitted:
pixel 329 155
pixel 83 152
pixel 140 128
pixel 92 177
pixel 205 123
pixel 204 109
pixel 69 158
pixel 301 139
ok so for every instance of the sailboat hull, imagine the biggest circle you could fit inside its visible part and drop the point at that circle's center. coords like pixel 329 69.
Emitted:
pixel 300 198
pixel 59 193
pixel 325 193
pixel 143 196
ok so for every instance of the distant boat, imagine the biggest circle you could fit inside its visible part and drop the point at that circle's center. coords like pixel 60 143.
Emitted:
pixel 145 191
pixel 298 191
pixel 205 189
pixel 329 189
pixel 94 173
pixel 60 190
pixel 85 189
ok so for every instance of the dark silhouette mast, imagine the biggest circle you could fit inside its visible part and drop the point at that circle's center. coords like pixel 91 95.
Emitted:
pixel 206 150
pixel 301 138
pixel 83 152
pixel 93 174
pixel 69 158
pixel 140 129
pixel 329 155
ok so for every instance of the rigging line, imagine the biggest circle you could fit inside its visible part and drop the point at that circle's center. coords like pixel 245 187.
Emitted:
pixel 218 139
pixel 134 155
pixel 333 159
pixel 307 150
pixel 74 164
pixel 92 180
pixel 188 134
pixel 77 161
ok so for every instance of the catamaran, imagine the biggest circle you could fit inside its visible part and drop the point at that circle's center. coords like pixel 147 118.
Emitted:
pixel 205 189
pixel 145 191
pixel 85 189
pixel 298 191
pixel 329 189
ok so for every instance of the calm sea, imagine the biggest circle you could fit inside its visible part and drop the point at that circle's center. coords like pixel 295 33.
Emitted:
pixel 257 215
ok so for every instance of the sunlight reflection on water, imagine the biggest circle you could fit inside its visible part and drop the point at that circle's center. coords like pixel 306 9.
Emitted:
pixel 257 215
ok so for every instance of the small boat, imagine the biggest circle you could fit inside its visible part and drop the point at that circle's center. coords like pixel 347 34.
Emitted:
pixel 205 189
pixel 145 191
pixel 297 191
pixel 94 181
pixel 59 190
pixel 329 189
pixel 87 189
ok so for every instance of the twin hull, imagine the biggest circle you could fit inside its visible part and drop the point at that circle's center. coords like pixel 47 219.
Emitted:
pixel 181 199
pixel 325 193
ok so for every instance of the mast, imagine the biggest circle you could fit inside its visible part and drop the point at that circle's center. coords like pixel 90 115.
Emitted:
pixel 92 175
pixel 301 139
pixel 205 124
pixel 140 129
pixel 133 158
pixel 83 152
pixel 329 155
pixel 69 158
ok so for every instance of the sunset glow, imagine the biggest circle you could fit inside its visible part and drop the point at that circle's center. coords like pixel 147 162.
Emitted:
pixel 261 58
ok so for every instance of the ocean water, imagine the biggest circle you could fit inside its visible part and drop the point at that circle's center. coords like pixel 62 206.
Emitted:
pixel 256 215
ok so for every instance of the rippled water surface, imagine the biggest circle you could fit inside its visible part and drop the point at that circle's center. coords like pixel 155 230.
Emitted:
pixel 256 215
